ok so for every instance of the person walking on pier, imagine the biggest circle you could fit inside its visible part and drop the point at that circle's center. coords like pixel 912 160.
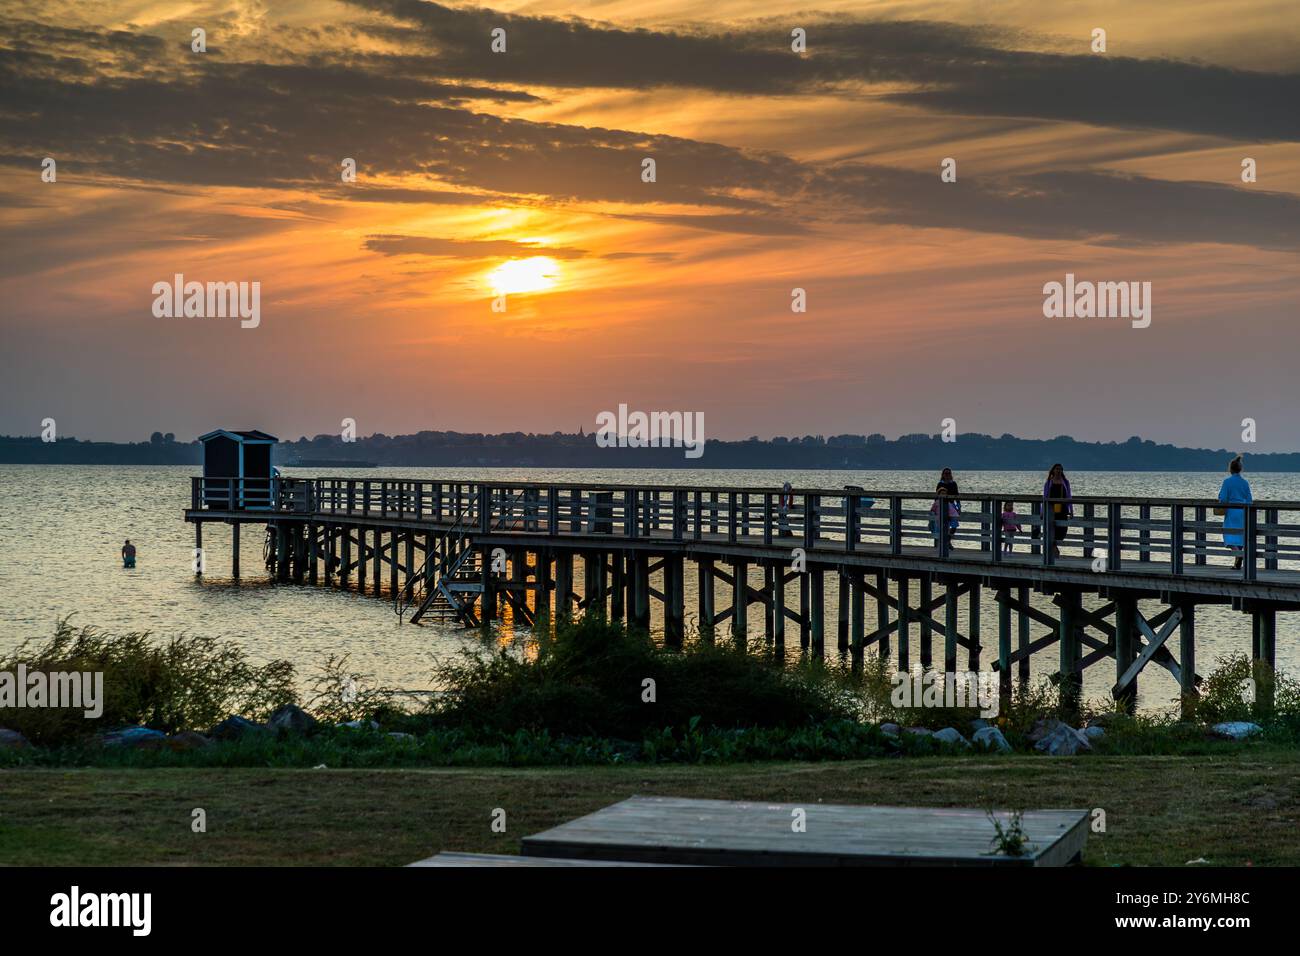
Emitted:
pixel 1234 490
pixel 1010 527
pixel 128 554
pixel 1057 490
pixel 784 505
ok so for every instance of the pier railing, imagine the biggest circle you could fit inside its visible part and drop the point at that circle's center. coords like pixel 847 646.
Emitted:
pixel 1152 535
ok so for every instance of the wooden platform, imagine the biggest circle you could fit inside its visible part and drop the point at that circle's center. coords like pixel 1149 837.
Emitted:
pixel 725 833
pixel 503 859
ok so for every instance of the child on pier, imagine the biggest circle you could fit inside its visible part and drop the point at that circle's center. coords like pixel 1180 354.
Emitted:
pixel 1010 527
pixel 950 525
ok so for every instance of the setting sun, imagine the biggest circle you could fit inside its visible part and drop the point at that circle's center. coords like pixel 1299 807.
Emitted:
pixel 524 275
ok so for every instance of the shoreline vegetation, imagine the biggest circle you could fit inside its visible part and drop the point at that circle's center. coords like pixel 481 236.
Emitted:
pixel 590 693
pixel 972 452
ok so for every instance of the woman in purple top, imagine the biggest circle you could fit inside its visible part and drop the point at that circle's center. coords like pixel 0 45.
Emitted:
pixel 1057 489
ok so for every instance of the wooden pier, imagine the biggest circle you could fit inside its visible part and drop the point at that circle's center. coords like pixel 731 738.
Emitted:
pixel 465 551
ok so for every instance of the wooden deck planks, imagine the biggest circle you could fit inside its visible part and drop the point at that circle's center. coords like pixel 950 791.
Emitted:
pixel 507 860
pixel 720 832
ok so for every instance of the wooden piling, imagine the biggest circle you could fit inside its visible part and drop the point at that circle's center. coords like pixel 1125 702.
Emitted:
pixel 1126 647
pixel 1187 660
pixel 234 551
pixel 923 600
pixel 740 602
pixel 817 585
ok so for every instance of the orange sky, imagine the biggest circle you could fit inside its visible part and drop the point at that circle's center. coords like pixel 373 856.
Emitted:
pixel 775 170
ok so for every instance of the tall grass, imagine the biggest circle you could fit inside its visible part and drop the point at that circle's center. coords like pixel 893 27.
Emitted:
pixel 180 683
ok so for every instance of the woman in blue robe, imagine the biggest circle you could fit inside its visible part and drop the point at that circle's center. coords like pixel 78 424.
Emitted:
pixel 1234 490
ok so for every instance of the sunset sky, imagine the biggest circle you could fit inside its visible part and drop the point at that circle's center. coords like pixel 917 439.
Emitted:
pixel 482 172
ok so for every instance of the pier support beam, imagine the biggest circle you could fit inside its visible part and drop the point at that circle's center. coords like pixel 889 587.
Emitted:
pixel 618 587
pixel 926 631
pixel 904 625
pixel 361 560
pixel 778 608
pixel 1069 645
pixel 882 613
pixel 563 584
pixel 312 553
pixel 857 616
pixel 740 602
pixel 1187 660
pixel 487 580
pixel 641 589
pixel 377 563
pixel 674 601
pixel 704 568
pixel 1126 647
pixel 949 627
pixel 973 626
pixel 805 611
pixel 842 622
pixel 393 561
pixel 281 553
pixel 329 555
pixel 234 551
pixel 1004 648
pixel 1022 636
pixel 817 584
pixel 542 577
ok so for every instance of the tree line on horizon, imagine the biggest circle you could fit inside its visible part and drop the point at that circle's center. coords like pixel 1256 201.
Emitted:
pixel 579 450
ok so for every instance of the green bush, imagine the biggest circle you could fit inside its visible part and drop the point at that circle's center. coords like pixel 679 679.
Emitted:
pixel 589 678
pixel 180 683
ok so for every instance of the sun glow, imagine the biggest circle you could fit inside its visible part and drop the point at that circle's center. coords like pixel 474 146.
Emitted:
pixel 536 274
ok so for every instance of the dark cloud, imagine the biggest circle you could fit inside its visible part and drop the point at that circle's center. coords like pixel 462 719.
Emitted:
pixel 957 69
pixel 290 125
pixel 390 245
pixel 739 223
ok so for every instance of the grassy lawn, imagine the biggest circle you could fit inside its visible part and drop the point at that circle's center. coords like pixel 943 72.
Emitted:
pixel 1231 810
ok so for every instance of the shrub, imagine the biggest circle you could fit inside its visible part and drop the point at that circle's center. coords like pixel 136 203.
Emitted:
pixel 589 678
pixel 180 683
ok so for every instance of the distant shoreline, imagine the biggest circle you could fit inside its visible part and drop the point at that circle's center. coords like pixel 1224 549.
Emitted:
pixel 970 452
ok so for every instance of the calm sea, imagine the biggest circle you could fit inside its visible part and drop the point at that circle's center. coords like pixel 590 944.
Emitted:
pixel 62 527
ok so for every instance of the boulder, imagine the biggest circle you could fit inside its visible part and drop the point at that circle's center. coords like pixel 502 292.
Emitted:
pixel 234 727
pixel 397 735
pixel 13 740
pixel 951 735
pixel 1041 728
pixel 1236 729
pixel 142 738
pixel 990 738
pixel 1094 732
pixel 292 719
pixel 919 731
pixel 890 730
pixel 1063 741
pixel 360 724
pixel 1104 719
pixel 979 723
pixel 188 740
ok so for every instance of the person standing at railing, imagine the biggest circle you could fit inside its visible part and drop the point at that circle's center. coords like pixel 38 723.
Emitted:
pixel 945 525
pixel 1234 490
pixel 1057 492
pixel 784 504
